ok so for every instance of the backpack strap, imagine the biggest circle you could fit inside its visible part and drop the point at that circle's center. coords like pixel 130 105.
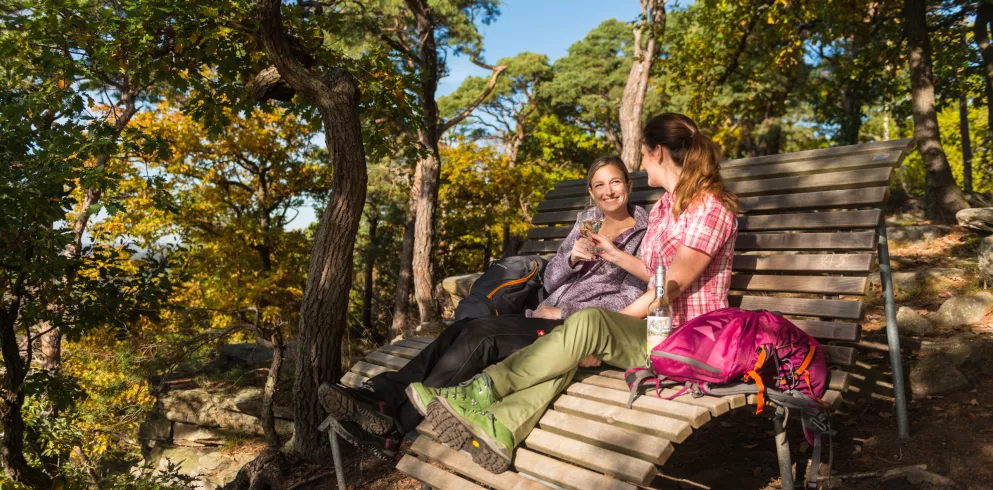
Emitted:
pixel 634 377
pixel 803 371
pixel 755 376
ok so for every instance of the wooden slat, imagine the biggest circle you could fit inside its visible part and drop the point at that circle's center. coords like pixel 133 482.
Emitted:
pixel 696 416
pixel 580 202
pixel 841 241
pixel 833 263
pixel 434 476
pixel 800 284
pixel 592 457
pixel 550 232
pixel 370 370
pixel 833 398
pixel 824 153
pixel 427 430
pixel 353 380
pixel 664 427
pixel 830 220
pixel 564 475
pixel 837 354
pixel 410 344
pixel 652 449
pixel 845 331
pixel 854 179
pixel 386 360
pixel 404 352
pixel 716 406
pixel 840 380
pixel 828 308
pixel 555 217
pixel 461 463
pixel 870 196
pixel 423 340
pixel 809 167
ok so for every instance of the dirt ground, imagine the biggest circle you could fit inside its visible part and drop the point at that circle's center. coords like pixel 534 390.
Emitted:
pixel 951 435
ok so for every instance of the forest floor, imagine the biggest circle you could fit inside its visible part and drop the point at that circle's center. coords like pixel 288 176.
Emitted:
pixel 951 435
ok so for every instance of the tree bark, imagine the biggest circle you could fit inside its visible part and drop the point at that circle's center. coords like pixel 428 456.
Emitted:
pixel 981 33
pixel 325 298
pixel 405 277
pixel 51 342
pixel 367 273
pixel 633 100
pixel 942 198
pixel 851 124
pixel 966 142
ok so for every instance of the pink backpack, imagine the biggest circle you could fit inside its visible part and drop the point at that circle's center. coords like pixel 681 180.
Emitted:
pixel 734 346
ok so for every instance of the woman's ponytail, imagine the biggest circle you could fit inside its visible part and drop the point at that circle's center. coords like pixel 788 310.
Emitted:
pixel 697 155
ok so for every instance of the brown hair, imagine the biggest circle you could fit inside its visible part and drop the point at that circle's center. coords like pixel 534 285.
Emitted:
pixel 696 154
pixel 606 161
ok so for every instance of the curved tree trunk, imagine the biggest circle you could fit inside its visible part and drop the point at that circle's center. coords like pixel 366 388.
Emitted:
pixel 325 298
pixel 981 33
pixel 966 142
pixel 633 100
pixel 942 198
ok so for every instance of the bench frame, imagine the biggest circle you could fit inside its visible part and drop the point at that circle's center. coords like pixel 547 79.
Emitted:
pixel 851 171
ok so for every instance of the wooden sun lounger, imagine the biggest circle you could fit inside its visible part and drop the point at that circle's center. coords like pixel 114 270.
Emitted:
pixel 810 230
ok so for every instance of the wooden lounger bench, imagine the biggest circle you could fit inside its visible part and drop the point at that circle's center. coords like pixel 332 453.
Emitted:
pixel 811 227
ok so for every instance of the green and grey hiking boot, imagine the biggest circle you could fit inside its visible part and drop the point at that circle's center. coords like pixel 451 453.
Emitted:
pixel 476 393
pixel 477 432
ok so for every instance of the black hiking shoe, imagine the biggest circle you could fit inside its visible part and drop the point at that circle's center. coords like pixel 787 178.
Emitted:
pixel 384 447
pixel 352 405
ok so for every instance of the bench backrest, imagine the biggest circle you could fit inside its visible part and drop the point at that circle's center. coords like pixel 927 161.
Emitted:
pixel 807 234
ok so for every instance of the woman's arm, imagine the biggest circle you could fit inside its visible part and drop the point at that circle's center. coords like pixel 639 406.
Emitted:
pixel 620 258
pixel 686 267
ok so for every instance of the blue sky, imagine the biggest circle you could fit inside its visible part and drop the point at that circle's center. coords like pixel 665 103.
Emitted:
pixel 540 26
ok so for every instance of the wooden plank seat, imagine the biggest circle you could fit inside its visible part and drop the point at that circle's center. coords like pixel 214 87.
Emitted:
pixel 808 238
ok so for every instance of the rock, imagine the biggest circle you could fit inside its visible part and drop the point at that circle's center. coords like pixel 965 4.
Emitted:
pixel 909 321
pixel 459 285
pixel 976 219
pixel 935 376
pixel 918 477
pixel 913 280
pixel 986 259
pixel 222 410
pixel 963 310
pixel 196 434
pixel 155 428
pixel 213 467
pixel 957 350
pixel 916 233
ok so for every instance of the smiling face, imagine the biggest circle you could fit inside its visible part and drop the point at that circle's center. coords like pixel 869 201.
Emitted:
pixel 609 190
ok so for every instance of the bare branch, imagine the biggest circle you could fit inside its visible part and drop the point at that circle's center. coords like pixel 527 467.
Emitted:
pixel 497 71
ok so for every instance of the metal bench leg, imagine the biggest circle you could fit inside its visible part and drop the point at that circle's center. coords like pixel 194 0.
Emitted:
pixel 892 334
pixel 330 425
pixel 783 450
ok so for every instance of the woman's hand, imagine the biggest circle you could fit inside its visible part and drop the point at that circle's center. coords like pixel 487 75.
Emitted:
pixel 608 251
pixel 590 361
pixel 580 251
pixel 547 312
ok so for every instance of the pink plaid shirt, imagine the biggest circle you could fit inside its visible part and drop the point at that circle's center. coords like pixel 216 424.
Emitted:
pixel 706 226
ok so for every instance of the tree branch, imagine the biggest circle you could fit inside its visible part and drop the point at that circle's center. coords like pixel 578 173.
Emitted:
pixel 497 71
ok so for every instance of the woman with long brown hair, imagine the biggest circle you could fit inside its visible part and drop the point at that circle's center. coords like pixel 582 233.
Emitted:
pixel 691 232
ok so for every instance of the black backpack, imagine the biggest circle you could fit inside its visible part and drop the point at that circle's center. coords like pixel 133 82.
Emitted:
pixel 509 286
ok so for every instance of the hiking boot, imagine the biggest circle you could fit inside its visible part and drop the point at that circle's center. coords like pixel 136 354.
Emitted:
pixel 360 406
pixel 384 447
pixel 476 393
pixel 477 432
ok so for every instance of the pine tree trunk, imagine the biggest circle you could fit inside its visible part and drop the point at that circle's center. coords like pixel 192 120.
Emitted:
pixel 851 101
pixel 325 299
pixel 405 277
pixel 367 274
pixel 981 34
pixel 966 142
pixel 633 99
pixel 942 198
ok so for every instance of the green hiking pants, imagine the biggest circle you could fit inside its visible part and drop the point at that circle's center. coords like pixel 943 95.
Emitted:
pixel 532 377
